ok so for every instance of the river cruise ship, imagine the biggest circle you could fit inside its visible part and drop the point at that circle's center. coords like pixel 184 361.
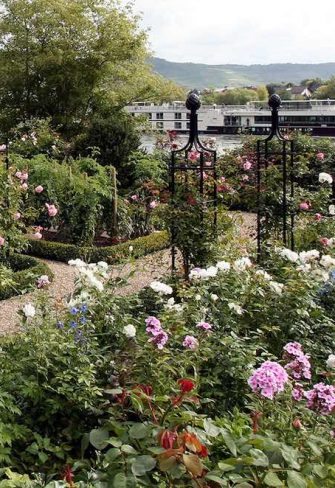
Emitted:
pixel 314 116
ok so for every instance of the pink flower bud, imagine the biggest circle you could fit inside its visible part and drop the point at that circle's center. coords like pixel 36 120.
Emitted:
pixel 297 424
pixel 18 175
pixel 324 241
pixel 153 204
pixel 320 156
pixel 39 189
pixel 134 198
pixel 24 186
pixel 17 216
pixel 2 241
pixel 24 176
pixel 247 165
pixel 52 210
pixel 318 217
pixel 304 206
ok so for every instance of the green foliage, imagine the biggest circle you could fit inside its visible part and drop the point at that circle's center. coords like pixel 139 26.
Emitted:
pixel 112 254
pixel 21 275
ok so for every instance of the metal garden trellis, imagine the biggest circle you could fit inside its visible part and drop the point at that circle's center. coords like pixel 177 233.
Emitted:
pixel 285 159
pixel 205 162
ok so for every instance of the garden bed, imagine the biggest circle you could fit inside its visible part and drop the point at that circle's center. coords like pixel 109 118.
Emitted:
pixel 26 271
pixel 111 254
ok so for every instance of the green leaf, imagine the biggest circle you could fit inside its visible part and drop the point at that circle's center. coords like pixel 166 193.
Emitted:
pixel 99 438
pixel 112 454
pixel 295 480
pixel 142 464
pixel 138 431
pixel 211 429
pixel 271 479
pixel 291 456
pixel 259 458
pixel 128 449
pixel 229 442
pixel 215 478
pixel 120 481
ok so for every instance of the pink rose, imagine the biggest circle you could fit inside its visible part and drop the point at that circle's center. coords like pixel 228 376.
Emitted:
pixel 247 165
pixel 320 156
pixel 17 216
pixel 2 241
pixel 24 186
pixel 24 176
pixel 324 241
pixel 18 175
pixel 318 217
pixel 39 189
pixel 52 210
pixel 37 235
pixel 304 206
pixel 153 204
pixel 134 198
pixel 193 156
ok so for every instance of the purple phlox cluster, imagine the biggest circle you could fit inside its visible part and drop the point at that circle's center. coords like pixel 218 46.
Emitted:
pixel 321 399
pixel 204 326
pixel 269 379
pixel 190 342
pixel 298 392
pixel 299 366
pixel 159 336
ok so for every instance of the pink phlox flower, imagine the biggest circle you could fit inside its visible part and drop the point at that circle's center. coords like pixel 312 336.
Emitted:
pixel 321 399
pixel 298 392
pixel 300 367
pixel 153 325
pixel 247 165
pixel 190 342
pixel 160 339
pixel 293 349
pixel 269 379
pixel 204 326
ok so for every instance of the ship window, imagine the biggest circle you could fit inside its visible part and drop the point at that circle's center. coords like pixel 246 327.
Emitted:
pixel 177 125
pixel 188 125
pixel 159 115
pixel 177 115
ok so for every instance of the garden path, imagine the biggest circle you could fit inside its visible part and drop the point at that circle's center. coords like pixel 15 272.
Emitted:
pixel 145 270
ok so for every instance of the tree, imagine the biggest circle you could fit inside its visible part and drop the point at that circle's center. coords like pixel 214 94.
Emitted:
pixel 327 90
pixel 262 93
pixel 67 59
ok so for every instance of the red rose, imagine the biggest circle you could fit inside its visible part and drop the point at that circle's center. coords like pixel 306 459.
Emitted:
pixel 186 385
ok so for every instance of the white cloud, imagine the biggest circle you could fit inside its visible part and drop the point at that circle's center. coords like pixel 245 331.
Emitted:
pixel 240 31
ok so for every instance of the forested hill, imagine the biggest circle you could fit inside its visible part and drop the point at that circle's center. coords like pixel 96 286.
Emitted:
pixel 193 75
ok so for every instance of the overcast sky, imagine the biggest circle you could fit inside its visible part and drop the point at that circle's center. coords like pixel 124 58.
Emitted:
pixel 241 31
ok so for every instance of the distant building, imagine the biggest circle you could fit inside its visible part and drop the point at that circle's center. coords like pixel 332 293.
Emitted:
pixel 299 91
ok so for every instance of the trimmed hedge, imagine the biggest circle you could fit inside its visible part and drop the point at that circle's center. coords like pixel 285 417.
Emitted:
pixel 111 254
pixel 26 271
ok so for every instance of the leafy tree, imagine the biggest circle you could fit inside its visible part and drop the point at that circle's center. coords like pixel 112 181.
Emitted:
pixel 327 90
pixel 65 60
pixel 262 93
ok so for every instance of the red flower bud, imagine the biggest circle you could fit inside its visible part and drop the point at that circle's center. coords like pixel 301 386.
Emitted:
pixel 186 385
pixel 167 439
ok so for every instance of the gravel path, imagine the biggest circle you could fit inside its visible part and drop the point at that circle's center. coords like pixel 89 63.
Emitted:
pixel 144 270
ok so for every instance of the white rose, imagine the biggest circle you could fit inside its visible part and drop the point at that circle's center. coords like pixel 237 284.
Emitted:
pixel 327 261
pixel 29 310
pixel 325 178
pixel 242 264
pixel 236 308
pixel 77 262
pixel 131 248
pixel 223 266
pixel 162 288
pixel 311 255
pixel 102 264
pixel 331 361
pixel 214 297
pixel 276 287
pixel 331 209
pixel 129 331
pixel 197 298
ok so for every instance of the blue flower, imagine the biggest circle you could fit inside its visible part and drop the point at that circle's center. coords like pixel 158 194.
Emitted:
pixel 73 324
pixel 83 320
pixel 60 325
pixel 78 337
pixel 84 308
pixel 74 310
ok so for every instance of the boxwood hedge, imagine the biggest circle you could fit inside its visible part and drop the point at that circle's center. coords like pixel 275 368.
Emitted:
pixel 111 254
pixel 26 270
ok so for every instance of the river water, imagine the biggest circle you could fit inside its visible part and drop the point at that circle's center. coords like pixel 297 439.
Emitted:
pixel 223 142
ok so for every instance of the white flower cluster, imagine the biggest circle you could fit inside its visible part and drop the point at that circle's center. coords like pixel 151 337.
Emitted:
pixel 91 274
pixel 129 331
pixel 325 178
pixel 172 305
pixel 161 288
pixel 310 262
pixel 204 274
pixel 331 361
pixel 29 310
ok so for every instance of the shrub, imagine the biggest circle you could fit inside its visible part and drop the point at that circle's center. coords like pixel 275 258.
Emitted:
pixel 112 254
pixel 26 270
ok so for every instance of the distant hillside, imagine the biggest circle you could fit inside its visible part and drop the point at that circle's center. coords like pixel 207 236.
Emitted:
pixel 193 75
